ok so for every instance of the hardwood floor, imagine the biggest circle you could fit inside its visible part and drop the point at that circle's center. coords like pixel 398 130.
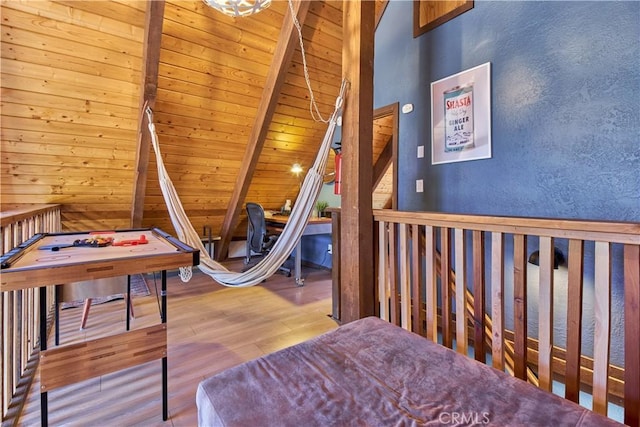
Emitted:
pixel 210 328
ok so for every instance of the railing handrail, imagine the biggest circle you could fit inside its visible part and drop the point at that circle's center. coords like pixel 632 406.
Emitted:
pixel 611 231
pixel 17 213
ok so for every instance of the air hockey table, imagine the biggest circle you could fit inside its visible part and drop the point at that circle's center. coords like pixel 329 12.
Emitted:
pixel 57 258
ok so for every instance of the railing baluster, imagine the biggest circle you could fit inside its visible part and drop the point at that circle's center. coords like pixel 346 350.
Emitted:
pixel 479 350
pixel 383 278
pixel 631 333
pixel 445 283
pixel 23 328
pixel 416 274
pixel 431 290
pixel 497 300
pixel 545 314
pixel 520 305
pixel 405 289
pixel 15 338
pixel 393 261
pixel 461 290
pixel 602 296
pixel 6 351
pixel 574 320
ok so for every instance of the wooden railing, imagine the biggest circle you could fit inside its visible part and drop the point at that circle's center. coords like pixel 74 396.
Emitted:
pixel 483 260
pixel 19 310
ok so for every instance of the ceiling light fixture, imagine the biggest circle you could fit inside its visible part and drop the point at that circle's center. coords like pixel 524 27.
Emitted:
pixel 238 8
pixel 296 169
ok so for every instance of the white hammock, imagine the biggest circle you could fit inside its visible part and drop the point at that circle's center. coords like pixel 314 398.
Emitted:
pixel 290 235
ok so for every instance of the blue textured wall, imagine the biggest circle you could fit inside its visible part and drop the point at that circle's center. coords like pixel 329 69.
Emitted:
pixel 565 107
pixel 565 117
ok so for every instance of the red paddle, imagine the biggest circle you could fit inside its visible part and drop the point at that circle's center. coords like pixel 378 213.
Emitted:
pixel 132 242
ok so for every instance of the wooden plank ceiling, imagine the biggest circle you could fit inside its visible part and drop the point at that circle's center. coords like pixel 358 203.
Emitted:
pixel 71 73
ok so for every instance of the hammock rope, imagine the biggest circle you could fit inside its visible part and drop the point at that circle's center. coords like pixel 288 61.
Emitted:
pixel 313 106
pixel 291 233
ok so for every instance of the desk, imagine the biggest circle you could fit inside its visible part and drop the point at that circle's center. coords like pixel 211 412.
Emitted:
pixel 314 226
pixel 27 267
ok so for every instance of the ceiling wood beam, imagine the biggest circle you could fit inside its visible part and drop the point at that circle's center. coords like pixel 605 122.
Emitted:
pixel 356 231
pixel 287 43
pixel 148 90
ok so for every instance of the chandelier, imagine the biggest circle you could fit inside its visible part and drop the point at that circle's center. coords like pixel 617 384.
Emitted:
pixel 238 8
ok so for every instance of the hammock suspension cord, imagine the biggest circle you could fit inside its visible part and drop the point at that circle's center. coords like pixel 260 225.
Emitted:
pixel 313 107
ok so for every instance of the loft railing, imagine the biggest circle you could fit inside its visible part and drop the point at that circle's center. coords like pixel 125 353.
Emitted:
pixel 508 316
pixel 19 310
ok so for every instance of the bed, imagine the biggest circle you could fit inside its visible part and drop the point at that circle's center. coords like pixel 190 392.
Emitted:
pixel 372 373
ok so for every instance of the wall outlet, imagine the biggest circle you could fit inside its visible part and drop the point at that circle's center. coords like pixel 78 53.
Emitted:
pixel 419 186
pixel 330 248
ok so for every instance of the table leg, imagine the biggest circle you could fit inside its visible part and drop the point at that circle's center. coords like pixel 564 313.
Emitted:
pixel 44 412
pixel 85 313
pixel 56 303
pixel 299 279
pixel 165 385
pixel 128 301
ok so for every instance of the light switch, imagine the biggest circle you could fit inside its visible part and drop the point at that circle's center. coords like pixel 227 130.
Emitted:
pixel 420 151
pixel 419 186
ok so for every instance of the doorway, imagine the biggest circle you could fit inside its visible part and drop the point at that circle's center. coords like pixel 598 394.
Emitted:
pixel 385 153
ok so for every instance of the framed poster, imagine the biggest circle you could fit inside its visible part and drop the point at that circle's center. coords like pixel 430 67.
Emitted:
pixel 461 116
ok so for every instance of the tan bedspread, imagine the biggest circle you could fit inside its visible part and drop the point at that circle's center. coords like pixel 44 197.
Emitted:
pixel 371 373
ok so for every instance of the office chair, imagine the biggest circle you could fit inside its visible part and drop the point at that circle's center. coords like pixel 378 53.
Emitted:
pixel 258 240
